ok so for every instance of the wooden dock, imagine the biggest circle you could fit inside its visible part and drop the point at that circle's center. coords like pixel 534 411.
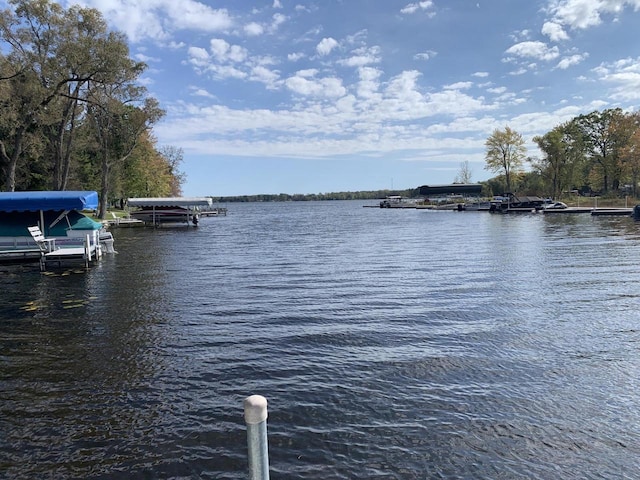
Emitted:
pixel 86 254
pixel 213 212
pixel 20 254
pixel 612 211
pixel 568 210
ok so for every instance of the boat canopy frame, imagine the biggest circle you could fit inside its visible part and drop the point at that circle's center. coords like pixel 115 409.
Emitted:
pixel 35 201
pixel 170 202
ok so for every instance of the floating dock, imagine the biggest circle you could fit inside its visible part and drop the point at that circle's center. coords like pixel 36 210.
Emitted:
pixel 612 211
pixel 568 210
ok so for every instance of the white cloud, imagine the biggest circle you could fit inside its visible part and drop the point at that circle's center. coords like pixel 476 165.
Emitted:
pixel 264 75
pixel 414 7
pixel 554 31
pixel 253 29
pixel 362 56
pixel 189 15
pixel 326 45
pixel 404 88
pixel 226 71
pixel 537 50
pixel 294 57
pixel 277 20
pixel 308 73
pixel 571 60
pixel 304 83
pixel 224 52
pixel 200 92
pixel 624 77
pixel 459 86
pixel 141 57
pixel 369 82
pixel 427 55
pixel 159 19
pixel 176 45
pixel 583 14
pixel 198 57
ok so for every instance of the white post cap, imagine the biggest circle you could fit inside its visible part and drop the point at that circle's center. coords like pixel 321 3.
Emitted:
pixel 255 409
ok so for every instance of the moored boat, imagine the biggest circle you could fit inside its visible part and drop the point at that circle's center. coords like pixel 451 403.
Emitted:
pixel 165 210
pixel 59 216
pixel 511 203
pixel 397 201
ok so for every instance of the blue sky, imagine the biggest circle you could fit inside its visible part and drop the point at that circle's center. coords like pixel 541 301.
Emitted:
pixel 298 96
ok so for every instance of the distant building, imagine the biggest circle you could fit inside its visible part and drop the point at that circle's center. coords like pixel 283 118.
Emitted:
pixel 462 189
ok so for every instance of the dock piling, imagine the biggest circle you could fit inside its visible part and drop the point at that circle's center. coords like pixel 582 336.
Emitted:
pixel 255 416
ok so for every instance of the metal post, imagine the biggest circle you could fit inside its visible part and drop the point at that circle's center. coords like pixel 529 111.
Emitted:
pixel 255 416
pixel 87 251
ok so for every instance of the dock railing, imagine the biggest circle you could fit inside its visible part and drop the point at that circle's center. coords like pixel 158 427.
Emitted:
pixel 255 416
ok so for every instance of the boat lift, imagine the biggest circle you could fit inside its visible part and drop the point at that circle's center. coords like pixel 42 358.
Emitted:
pixel 163 210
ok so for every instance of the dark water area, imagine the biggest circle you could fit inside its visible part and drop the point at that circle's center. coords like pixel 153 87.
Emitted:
pixel 390 344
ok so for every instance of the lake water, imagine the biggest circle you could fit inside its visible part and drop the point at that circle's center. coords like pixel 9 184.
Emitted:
pixel 390 344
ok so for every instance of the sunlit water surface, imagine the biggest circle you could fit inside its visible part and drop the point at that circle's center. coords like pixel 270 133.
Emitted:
pixel 389 343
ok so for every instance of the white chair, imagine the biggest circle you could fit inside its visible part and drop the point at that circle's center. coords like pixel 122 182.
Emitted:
pixel 46 245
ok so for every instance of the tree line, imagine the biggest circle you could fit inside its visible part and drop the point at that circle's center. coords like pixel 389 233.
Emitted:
pixel 593 154
pixel 73 115
pixel 299 197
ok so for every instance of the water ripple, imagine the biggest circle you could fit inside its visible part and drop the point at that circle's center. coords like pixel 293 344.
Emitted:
pixel 390 344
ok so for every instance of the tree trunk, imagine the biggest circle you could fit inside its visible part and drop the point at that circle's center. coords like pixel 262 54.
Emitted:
pixel 12 161
pixel 104 187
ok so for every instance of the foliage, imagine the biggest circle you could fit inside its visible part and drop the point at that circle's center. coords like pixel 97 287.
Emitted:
pixel 284 197
pixel 505 152
pixel 595 154
pixel 71 111
pixel 602 141
pixel 564 152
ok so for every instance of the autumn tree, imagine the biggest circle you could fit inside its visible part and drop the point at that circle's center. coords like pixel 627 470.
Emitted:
pixel 603 142
pixel 119 114
pixel 151 171
pixel 563 151
pixel 630 152
pixel 505 153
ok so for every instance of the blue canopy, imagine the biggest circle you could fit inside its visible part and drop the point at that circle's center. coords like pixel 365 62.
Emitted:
pixel 34 201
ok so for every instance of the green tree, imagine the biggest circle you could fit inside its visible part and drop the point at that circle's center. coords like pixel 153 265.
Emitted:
pixel 87 53
pixel 174 156
pixel 505 153
pixel 630 152
pixel 119 115
pixel 54 55
pixel 563 152
pixel 20 107
pixel 151 172
pixel 603 143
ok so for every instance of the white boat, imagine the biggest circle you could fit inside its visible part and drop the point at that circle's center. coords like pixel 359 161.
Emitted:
pixel 397 201
pixel 555 206
pixel 59 216
pixel 475 206
pixel 164 210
